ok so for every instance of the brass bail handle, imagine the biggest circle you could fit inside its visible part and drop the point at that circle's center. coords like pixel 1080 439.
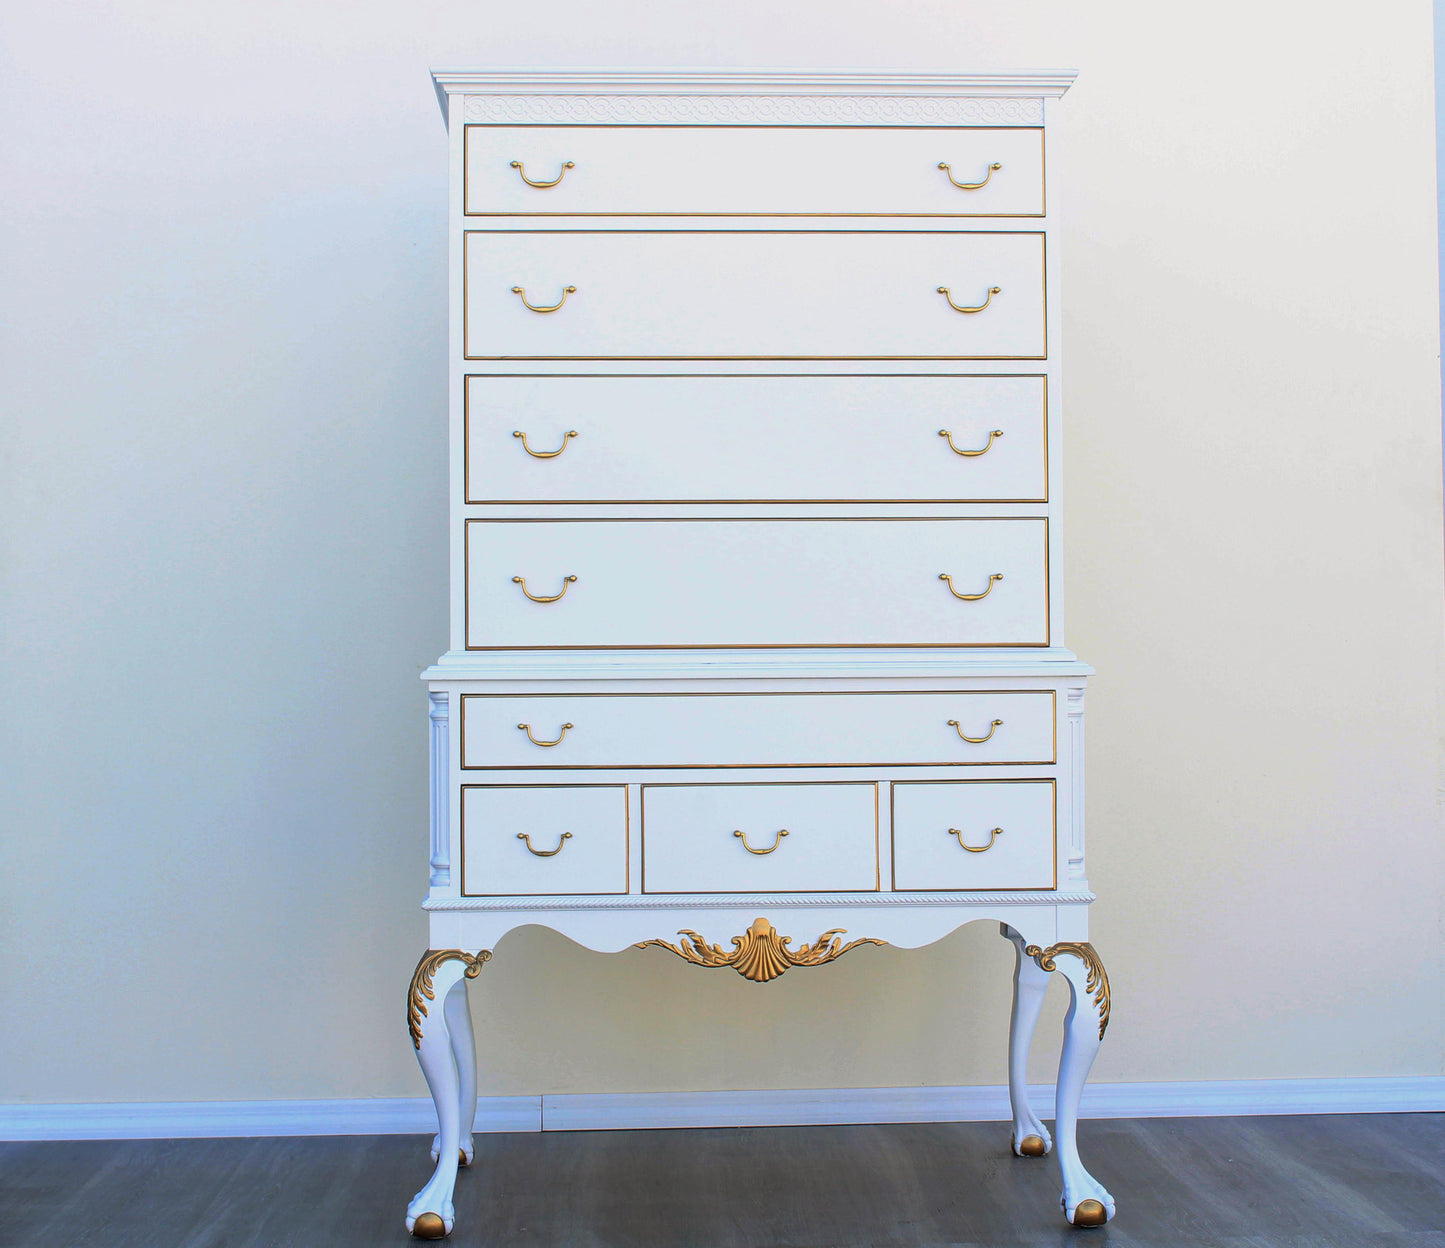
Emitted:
pixel 522 581
pixel 542 186
pixel 969 186
pixel 944 576
pixel 944 291
pixel 777 840
pixel 967 454
pixel 521 293
pixel 527 728
pixel 992 728
pixel 975 849
pixel 566 437
pixel 547 853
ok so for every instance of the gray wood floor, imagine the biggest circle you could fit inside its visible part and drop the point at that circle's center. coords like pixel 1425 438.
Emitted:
pixel 1306 1182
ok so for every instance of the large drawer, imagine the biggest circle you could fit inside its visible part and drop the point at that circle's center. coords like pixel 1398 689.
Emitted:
pixel 716 583
pixel 746 170
pixel 759 838
pixel 581 730
pixel 524 840
pixel 719 294
pixel 756 439
pixel 973 834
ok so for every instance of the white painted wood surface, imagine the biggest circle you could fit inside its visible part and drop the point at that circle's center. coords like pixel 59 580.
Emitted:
pixel 926 854
pixel 547 839
pixel 719 170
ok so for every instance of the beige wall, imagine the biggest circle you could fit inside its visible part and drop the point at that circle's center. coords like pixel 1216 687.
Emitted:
pixel 224 533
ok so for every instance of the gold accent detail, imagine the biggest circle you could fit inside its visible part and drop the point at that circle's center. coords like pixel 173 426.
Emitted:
pixel 1096 982
pixel 572 433
pixel 992 581
pixel 760 954
pixel 561 173
pixel 521 292
pixel 462 1162
pixel 1090 1213
pixel 942 290
pixel 983 450
pixel 527 728
pixel 976 849
pixel 566 581
pixel 421 983
pixel 1032 1146
pixel 544 853
pixel 970 186
pixel 992 728
pixel 777 840
pixel 429 1226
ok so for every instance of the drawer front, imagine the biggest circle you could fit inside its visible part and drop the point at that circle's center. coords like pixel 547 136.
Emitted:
pixel 756 439
pixel 527 840
pixel 769 838
pixel 678 584
pixel 756 729
pixel 944 835
pixel 747 170
pixel 713 294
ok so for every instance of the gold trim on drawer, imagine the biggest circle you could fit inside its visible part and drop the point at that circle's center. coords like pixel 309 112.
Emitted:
pixel 467 210
pixel 626 838
pixel 469 521
pixel 612 502
pixel 1043 297
pixel 766 693
pixel 757 784
pixel 895 785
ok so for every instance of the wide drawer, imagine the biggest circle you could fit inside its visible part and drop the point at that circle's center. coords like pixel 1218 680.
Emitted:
pixel 576 730
pixel 745 170
pixel 718 294
pixel 533 839
pixel 756 439
pixel 543 584
pixel 973 834
pixel 750 838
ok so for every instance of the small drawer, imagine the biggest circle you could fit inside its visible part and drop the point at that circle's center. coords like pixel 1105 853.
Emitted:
pixel 689 584
pixel 973 834
pixel 536 840
pixel 719 294
pixel 762 439
pixel 753 170
pixel 751 838
pixel 914 729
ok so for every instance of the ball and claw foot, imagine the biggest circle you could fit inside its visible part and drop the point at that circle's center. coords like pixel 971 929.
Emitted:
pixel 428 1226
pixel 1086 1210
pixel 464 1153
pixel 1031 1146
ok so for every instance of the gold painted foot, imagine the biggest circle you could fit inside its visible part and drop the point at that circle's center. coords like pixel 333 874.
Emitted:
pixel 1031 1146
pixel 462 1160
pixel 429 1226
pixel 1090 1213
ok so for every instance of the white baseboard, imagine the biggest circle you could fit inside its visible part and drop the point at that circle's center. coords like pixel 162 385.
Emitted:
pixel 784 1108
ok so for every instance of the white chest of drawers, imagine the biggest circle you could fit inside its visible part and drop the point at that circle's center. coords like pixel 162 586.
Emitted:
pixel 756 589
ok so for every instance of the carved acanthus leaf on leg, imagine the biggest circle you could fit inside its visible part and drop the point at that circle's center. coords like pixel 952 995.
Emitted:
pixel 421 983
pixel 1098 977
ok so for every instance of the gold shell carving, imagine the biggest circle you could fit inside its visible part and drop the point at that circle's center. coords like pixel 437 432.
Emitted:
pixel 760 954
pixel 1097 980
pixel 421 983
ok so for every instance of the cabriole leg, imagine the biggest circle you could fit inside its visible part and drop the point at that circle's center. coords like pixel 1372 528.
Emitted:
pixel 441 974
pixel 464 1053
pixel 1030 1137
pixel 1085 1201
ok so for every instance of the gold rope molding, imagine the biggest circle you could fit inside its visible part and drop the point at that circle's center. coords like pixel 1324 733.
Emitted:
pixel 760 954
pixel 1097 980
pixel 421 983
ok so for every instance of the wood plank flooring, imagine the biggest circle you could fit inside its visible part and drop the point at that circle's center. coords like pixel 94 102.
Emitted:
pixel 1368 1181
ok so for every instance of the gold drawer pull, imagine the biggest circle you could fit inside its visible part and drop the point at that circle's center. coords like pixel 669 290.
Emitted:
pixel 943 576
pixel 552 853
pixel 572 433
pixel 521 291
pixel 944 433
pixel 562 173
pixel 992 728
pixel 777 840
pixel 962 186
pixel 942 290
pixel 976 849
pixel 568 580
pixel 527 728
